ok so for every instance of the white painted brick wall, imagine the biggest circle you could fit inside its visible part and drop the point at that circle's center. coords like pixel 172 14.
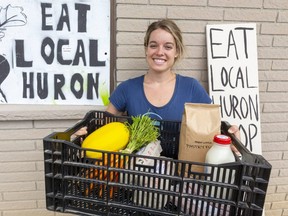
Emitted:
pixel 22 130
pixel 21 155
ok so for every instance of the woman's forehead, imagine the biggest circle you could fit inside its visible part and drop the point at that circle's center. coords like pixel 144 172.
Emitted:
pixel 160 35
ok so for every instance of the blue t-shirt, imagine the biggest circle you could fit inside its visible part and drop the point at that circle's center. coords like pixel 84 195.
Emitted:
pixel 129 96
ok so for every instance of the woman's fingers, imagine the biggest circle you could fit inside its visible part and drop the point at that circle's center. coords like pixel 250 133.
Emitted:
pixel 234 129
pixel 81 131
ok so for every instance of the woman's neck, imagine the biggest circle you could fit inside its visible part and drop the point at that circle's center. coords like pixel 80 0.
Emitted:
pixel 159 88
pixel 155 77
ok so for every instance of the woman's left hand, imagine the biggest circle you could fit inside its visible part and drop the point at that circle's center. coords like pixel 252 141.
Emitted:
pixel 234 129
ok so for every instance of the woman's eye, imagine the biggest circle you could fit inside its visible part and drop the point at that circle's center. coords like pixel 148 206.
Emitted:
pixel 153 46
pixel 168 47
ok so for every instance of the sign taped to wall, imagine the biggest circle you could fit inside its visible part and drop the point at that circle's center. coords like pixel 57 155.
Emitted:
pixel 55 52
pixel 233 78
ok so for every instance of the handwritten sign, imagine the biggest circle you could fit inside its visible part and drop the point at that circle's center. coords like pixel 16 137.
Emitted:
pixel 233 78
pixel 54 52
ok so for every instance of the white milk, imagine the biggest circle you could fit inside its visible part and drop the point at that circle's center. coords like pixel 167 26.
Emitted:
pixel 220 153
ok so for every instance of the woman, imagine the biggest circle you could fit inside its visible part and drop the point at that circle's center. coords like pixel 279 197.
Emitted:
pixel 161 91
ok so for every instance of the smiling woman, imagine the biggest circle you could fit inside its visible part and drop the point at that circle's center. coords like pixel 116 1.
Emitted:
pixel 175 36
pixel 161 91
pixel 161 52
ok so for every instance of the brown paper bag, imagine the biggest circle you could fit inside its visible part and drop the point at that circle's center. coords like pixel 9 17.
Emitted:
pixel 200 122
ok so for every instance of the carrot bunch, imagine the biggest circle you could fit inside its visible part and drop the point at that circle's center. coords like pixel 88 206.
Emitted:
pixel 111 161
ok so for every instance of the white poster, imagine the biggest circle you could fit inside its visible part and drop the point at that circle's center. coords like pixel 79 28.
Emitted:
pixel 233 78
pixel 54 52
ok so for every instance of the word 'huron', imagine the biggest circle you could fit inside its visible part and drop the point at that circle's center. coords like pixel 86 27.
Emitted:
pixel 39 85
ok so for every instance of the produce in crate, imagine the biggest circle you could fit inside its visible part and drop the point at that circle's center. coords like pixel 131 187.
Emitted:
pixel 64 158
pixel 142 132
pixel 102 174
pixel 113 136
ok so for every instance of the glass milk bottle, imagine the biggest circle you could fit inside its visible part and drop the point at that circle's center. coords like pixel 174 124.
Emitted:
pixel 220 153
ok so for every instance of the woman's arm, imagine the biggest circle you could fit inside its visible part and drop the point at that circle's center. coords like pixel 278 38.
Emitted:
pixel 112 109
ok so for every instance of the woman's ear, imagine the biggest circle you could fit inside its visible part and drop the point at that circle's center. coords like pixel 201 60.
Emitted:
pixel 176 55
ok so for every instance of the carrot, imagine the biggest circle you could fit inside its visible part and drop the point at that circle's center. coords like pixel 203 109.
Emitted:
pixel 91 174
pixel 113 177
pixel 95 173
pixel 115 161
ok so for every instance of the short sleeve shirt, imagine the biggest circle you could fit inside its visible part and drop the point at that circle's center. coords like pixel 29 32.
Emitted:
pixel 129 97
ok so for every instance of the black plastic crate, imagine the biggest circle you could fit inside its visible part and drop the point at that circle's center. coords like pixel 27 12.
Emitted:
pixel 72 184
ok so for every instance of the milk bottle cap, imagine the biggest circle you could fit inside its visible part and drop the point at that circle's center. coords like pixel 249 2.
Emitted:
pixel 222 139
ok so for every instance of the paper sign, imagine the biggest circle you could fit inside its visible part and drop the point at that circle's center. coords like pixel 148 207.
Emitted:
pixel 54 52
pixel 233 78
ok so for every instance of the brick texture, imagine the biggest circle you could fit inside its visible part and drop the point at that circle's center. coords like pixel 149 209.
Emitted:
pixel 281 41
pixel 22 186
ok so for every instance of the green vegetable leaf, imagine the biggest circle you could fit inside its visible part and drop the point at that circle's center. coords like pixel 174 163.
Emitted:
pixel 142 132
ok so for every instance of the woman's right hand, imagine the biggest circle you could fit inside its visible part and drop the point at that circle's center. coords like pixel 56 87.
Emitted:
pixel 82 131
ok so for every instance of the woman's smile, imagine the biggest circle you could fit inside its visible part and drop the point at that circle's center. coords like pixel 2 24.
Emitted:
pixel 159 61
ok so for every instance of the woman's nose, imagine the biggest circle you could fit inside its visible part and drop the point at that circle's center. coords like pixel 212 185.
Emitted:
pixel 159 50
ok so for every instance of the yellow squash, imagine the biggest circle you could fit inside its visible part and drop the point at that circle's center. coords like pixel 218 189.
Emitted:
pixel 113 136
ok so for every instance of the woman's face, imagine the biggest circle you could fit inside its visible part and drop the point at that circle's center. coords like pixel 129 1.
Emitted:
pixel 161 51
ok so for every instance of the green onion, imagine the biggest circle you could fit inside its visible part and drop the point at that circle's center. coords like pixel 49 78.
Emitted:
pixel 142 132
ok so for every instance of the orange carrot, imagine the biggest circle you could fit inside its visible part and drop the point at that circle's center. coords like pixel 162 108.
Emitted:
pixel 115 161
